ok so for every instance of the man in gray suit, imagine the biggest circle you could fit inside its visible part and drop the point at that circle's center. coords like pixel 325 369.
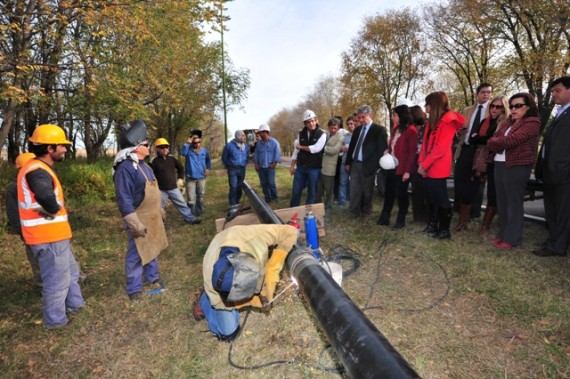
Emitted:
pixel 553 168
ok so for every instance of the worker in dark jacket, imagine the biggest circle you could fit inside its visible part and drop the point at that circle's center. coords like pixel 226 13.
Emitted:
pixel 169 174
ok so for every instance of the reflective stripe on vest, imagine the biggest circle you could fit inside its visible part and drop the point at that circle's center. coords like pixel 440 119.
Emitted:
pixel 37 229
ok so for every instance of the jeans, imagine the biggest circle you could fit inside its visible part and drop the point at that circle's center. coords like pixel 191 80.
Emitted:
pixel 178 200
pixel 344 186
pixel 195 190
pixel 60 272
pixel 305 177
pixel 222 322
pixel 236 176
pixel 135 270
pixel 267 181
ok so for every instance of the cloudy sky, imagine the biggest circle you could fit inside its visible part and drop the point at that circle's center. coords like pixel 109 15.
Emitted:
pixel 288 45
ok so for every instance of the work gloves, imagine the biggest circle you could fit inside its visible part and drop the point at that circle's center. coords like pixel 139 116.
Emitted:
pixel 135 225
pixel 180 183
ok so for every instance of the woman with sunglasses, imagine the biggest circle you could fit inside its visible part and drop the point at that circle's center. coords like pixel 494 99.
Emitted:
pixel 483 168
pixel 515 147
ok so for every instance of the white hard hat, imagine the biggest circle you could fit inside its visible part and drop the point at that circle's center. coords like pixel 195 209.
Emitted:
pixel 263 128
pixel 308 114
pixel 388 162
pixel 404 101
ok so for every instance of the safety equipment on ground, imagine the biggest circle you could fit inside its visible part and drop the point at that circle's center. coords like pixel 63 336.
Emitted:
pixel 263 128
pixel 308 114
pixel 135 225
pixel 388 162
pixel 23 158
pixel 236 275
pixel 132 134
pixel 48 134
pixel 161 142
pixel 180 183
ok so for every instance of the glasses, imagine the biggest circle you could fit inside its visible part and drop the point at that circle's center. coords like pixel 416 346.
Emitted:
pixel 162 147
pixel 144 144
pixel 493 106
pixel 517 105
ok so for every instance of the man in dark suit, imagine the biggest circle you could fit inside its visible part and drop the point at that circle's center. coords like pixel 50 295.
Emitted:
pixel 553 168
pixel 367 145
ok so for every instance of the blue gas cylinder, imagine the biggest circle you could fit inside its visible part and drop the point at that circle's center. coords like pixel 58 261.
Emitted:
pixel 312 233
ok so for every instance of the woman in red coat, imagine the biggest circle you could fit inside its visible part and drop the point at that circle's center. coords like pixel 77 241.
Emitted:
pixel 434 162
pixel 402 145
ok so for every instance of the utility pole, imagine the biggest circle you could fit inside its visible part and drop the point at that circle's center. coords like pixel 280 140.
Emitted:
pixel 223 73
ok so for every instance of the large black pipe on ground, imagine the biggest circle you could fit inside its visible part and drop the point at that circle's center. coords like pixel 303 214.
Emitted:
pixel 361 348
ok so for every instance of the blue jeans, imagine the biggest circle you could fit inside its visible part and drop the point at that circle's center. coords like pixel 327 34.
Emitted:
pixel 344 186
pixel 178 200
pixel 221 322
pixel 236 176
pixel 305 177
pixel 60 272
pixel 267 181
pixel 135 270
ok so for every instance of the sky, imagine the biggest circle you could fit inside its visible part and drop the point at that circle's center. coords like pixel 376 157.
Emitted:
pixel 288 45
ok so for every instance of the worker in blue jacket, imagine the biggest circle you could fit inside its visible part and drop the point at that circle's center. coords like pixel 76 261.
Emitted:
pixel 198 166
pixel 234 159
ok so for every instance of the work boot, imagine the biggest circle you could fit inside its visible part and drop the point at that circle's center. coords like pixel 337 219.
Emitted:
pixel 487 220
pixel 463 217
pixel 432 225
pixel 444 216
pixel 197 311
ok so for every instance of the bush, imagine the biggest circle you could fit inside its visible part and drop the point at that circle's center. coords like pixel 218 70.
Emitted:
pixel 86 183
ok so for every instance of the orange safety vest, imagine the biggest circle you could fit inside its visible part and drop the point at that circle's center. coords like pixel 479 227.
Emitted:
pixel 37 229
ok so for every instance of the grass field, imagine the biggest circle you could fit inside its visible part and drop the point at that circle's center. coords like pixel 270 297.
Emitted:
pixel 453 309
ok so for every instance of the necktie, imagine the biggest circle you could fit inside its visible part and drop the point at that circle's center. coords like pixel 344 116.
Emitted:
pixel 359 143
pixel 476 123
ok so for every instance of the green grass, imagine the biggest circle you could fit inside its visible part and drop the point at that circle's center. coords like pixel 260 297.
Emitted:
pixel 453 309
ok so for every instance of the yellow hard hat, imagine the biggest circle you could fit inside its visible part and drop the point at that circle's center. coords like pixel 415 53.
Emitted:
pixel 49 134
pixel 161 142
pixel 23 158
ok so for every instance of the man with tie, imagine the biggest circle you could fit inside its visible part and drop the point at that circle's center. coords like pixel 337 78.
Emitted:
pixel 368 143
pixel 467 189
pixel 553 168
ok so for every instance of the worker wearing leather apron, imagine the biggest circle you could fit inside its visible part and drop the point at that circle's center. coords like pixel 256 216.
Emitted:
pixel 138 199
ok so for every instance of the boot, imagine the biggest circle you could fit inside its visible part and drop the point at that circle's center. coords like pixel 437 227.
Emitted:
pixel 400 221
pixel 432 225
pixel 487 220
pixel 384 219
pixel 444 215
pixel 463 217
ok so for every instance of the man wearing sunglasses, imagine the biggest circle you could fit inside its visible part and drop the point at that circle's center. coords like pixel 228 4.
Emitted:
pixel 198 165
pixel 169 173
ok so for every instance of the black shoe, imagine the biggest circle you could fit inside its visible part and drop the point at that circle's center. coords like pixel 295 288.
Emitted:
pixel 195 222
pixel 398 225
pixel 547 253
pixel 442 235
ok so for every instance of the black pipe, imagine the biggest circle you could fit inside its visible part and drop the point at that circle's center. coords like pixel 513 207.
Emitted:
pixel 264 211
pixel 361 348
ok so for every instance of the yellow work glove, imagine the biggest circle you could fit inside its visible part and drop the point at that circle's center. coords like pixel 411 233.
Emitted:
pixel 272 273
pixel 253 302
pixel 135 225
pixel 180 183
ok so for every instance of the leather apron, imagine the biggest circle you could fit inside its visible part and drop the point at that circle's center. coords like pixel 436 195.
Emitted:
pixel 149 213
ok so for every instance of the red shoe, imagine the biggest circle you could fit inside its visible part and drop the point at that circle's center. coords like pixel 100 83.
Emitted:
pixel 495 240
pixel 503 245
